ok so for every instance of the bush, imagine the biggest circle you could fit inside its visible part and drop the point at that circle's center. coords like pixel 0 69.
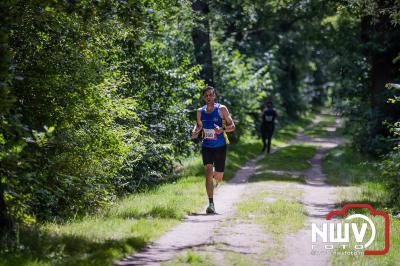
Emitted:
pixel 390 165
pixel 95 100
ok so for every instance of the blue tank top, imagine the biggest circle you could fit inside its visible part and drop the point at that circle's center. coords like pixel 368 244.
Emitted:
pixel 211 139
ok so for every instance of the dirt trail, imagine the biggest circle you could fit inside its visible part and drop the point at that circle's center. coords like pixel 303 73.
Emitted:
pixel 318 199
pixel 196 230
pixel 218 234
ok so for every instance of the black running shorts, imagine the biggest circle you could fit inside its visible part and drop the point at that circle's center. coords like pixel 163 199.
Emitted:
pixel 214 156
pixel 267 130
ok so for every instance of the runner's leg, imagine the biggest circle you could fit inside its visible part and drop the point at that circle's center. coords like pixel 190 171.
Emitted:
pixel 218 176
pixel 269 144
pixel 270 132
pixel 208 171
pixel 264 143
pixel 220 157
pixel 263 137
pixel 207 156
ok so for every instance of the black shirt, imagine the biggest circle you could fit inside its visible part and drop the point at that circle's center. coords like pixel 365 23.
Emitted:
pixel 269 116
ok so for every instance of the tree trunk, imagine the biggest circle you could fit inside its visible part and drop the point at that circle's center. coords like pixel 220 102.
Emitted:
pixel 381 45
pixel 6 97
pixel 320 94
pixel 382 42
pixel 201 41
pixel 4 221
pixel 288 80
pixel 381 68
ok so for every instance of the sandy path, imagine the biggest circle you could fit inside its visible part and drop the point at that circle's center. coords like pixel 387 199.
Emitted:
pixel 196 230
pixel 319 199
pixel 220 233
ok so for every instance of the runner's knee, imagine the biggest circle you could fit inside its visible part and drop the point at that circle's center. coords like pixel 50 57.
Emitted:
pixel 218 175
pixel 208 169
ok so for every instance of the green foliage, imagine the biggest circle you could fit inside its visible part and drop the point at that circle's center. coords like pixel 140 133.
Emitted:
pixel 242 85
pixel 96 102
pixel 97 97
pixel 366 47
pixel 69 82
pixel 282 38
pixel 125 226
pixel 390 165
pixel 390 168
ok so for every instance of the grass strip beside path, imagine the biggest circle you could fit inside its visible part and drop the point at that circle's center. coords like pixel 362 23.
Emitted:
pixel 132 222
pixel 291 158
pixel 191 258
pixel 325 128
pixel 284 134
pixel 344 166
pixel 276 207
pixel 361 183
pixel 128 225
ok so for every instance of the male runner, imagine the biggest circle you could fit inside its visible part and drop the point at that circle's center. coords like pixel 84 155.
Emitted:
pixel 214 119
pixel 268 125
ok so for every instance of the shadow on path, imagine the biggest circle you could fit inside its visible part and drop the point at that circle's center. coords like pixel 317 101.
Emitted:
pixel 197 230
pixel 318 199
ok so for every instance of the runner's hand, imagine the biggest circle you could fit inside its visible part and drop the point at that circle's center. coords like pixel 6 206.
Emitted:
pixel 196 130
pixel 217 129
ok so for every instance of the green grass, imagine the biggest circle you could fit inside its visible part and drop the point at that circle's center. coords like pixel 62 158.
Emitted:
pixel 291 158
pixel 276 209
pixel 126 227
pixel 261 176
pixel 343 166
pixel 286 133
pixel 191 258
pixel 248 148
pixel 278 212
pixel 322 129
pixel 237 259
pixel 129 224
pixel 362 184
pixel 375 194
pixel 132 222
pixel 390 258
pixel 279 217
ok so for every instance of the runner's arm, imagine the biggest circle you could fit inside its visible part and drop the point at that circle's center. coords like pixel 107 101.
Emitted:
pixel 230 125
pixel 276 117
pixel 199 125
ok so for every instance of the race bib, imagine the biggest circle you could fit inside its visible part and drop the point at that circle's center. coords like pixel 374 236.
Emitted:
pixel 268 118
pixel 209 134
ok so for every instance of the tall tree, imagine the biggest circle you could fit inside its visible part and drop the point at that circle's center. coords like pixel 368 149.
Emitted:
pixel 381 45
pixel 6 103
pixel 201 40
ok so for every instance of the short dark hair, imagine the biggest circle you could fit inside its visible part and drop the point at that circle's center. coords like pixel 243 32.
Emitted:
pixel 207 88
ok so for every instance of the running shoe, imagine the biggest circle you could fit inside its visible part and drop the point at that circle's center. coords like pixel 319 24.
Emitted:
pixel 210 209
